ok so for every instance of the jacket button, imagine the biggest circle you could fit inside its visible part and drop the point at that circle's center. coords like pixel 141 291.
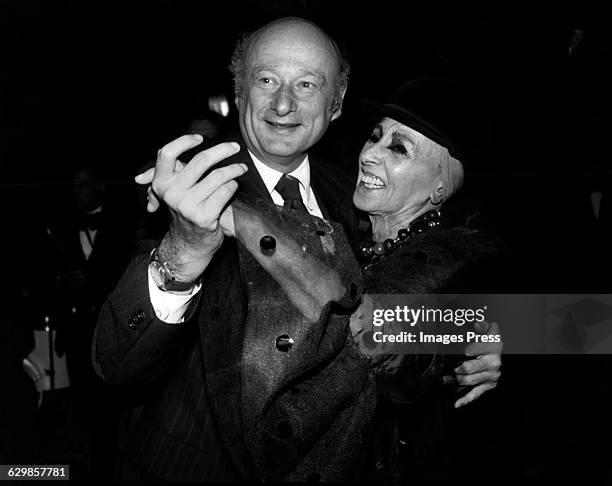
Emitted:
pixel 284 430
pixel 284 343
pixel 267 245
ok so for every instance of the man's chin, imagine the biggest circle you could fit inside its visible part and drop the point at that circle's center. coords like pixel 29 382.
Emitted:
pixel 284 148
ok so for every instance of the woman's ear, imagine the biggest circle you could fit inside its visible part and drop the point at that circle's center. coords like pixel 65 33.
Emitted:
pixel 437 195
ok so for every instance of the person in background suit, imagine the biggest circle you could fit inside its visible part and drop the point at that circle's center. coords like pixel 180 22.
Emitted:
pixel 248 376
pixel 86 241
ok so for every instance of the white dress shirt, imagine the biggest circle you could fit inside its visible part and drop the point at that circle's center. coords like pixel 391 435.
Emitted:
pixel 170 307
pixel 87 236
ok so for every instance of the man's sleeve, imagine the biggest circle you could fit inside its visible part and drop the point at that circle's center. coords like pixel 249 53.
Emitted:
pixel 130 342
pixel 170 307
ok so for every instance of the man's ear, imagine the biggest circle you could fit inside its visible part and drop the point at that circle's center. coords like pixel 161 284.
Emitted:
pixel 338 109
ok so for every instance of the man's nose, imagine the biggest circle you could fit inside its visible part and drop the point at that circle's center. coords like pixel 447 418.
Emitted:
pixel 284 102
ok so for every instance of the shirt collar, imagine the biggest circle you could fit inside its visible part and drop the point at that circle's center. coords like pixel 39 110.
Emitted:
pixel 272 176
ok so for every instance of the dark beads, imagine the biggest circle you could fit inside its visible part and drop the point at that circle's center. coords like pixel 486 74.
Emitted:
pixel 364 252
pixel 378 249
pixel 369 253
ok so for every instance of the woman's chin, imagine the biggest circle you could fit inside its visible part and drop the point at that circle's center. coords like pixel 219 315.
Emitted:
pixel 366 199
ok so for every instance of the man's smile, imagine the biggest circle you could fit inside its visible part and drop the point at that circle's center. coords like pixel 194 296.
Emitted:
pixel 282 126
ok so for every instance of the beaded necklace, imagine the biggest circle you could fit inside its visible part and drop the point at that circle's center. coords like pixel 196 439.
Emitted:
pixel 372 252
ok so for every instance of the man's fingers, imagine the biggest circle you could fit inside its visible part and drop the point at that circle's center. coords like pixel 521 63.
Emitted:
pixel 487 362
pixel 152 201
pixel 205 212
pixel 204 160
pixel 217 178
pixel 167 155
pixel 145 177
pixel 179 166
pixel 227 221
pixel 474 394
pixel 217 202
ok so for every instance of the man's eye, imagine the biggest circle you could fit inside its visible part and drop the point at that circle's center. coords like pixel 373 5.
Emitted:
pixel 398 148
pixel 374 138
pixel 267 81
pixel 307 84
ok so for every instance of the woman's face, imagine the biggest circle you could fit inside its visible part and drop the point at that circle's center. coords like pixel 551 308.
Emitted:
pixel 398 170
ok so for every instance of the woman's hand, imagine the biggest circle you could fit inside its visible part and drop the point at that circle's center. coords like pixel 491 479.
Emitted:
pixel 481 373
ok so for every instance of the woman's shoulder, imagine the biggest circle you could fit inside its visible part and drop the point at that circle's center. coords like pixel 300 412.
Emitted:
pixel 454 258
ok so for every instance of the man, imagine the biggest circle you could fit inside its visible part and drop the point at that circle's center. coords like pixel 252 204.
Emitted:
pixel 267 361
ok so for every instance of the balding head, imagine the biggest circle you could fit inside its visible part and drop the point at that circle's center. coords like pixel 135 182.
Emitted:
pixel 290 80
pixel 284 31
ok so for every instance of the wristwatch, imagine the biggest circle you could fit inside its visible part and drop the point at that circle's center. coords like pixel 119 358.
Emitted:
pixel 163 276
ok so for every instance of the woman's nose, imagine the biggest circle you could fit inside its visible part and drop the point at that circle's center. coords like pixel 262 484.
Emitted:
pixel 371 156
pixel 283 102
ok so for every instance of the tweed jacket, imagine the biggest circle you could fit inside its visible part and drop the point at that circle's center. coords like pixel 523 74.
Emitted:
pixel 289 393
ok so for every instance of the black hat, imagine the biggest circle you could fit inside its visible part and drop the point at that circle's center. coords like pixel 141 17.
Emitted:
pixel 431 106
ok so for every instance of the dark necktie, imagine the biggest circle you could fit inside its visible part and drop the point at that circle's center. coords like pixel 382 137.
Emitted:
pixel 289 189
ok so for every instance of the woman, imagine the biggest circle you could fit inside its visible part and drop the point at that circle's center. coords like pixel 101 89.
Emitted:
pixel 408 169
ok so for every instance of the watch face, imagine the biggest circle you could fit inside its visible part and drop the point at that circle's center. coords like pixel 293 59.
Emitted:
pixel 158 273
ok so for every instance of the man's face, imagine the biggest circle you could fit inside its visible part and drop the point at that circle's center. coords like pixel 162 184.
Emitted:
pixel 398 170
pixel 87 190
pixel 289 86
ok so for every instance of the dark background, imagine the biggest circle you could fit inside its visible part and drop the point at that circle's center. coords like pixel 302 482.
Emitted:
pixel 108 84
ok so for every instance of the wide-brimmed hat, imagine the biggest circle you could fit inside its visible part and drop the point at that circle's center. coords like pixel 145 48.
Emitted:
pixel 433 106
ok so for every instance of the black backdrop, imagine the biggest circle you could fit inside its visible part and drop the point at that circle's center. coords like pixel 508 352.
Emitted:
pixel 108 84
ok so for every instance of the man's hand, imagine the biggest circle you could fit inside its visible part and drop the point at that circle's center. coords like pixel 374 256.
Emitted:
pixel 481 373
pixel 195 205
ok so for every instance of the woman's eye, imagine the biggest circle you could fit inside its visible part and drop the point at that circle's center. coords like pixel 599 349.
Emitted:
pixel 398 148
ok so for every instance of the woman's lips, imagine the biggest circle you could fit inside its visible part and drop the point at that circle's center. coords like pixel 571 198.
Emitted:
pixel 371 181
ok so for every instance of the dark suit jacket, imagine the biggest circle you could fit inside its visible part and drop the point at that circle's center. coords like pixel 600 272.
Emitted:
pixel 294 415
